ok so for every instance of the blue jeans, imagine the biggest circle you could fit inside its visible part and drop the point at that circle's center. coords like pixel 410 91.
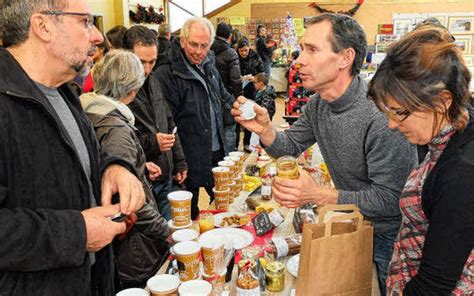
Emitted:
pixel 267 67
pixel 161 190
pixel 383 249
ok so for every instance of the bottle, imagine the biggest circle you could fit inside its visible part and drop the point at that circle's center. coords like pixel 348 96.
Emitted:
pixel 266 190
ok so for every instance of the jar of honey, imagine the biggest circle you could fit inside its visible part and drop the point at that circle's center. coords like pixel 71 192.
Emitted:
pixel 275 276
pixel 287 167
pixel 206 222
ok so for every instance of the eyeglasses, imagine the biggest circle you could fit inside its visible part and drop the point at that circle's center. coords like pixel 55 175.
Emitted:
pixel 88 22
pixel 400 115
pixel 196 46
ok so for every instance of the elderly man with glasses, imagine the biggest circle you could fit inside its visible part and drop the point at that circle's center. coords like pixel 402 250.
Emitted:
pixel 368 162
pixel 197 97
pixel 55 188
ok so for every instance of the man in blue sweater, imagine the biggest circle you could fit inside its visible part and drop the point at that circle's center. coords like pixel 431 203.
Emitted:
pixel 368 162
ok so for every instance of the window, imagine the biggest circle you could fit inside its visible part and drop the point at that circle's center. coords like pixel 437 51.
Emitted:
pixel 181 10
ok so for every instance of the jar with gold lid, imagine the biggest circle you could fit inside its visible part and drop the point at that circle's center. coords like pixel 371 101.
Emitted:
pixel 275 276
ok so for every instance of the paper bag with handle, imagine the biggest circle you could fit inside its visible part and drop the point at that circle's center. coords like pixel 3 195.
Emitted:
pixel 336 256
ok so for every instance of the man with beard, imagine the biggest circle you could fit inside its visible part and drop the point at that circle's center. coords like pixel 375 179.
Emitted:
pixel 155 122
pixel 55 237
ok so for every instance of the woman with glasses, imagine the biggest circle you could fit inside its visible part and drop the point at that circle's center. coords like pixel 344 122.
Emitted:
pixel 423 88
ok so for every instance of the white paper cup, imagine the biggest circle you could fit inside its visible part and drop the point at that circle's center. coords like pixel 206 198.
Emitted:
pixel 133 292
pixel 184 235
pixel 247 109
pixel 195 288
pixel 222 175
pixel 187 255
pixel 180 202
pixel 163 285
pixel 212 251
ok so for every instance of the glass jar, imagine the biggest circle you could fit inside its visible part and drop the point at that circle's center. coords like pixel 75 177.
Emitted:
pixel 275 276
pixel 287 167
pixel 206 222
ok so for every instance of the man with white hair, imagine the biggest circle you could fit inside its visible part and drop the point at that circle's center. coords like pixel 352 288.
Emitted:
pixel 196 96
pixel 55 239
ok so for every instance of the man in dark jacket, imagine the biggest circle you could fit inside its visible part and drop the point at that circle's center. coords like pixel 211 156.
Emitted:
pixel 196 96
pixel 54 237
pixel 227 63
pixel 155 121
pixel 265 49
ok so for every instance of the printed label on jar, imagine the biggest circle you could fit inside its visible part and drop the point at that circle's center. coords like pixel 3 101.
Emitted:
pixel 275 218
pixel 281 246
pixel 266 190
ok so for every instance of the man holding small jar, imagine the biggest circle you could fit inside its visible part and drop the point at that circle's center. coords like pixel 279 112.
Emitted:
pixel 368 162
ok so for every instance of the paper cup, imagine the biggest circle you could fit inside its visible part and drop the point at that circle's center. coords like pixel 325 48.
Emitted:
pixel 234 191
pixel 163 285
pixel 221 198
pixel 238 154
pixel 212 255
pixel 231 165
pixel 247 109
pixel 222 176
pixel 180 202
pixel 133 292
pixel 184 235
pixel 219 279
pixel 195 288
pixel 187 255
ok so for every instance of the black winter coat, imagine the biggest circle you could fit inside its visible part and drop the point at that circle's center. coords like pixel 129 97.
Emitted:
pixel 152 115
pixel 189 102
pixel 227 62
pixel 263 51
pixel 43 189
pixel 140 253
pixel 253 65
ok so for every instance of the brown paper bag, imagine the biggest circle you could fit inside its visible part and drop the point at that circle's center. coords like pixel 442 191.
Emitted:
pixel 336 257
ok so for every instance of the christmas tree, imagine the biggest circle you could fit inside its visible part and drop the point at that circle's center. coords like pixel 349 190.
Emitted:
pixel 289 39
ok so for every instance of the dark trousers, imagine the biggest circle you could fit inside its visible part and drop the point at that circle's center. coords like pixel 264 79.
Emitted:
pixel 383 249
pixel 161 190
pixel 216 157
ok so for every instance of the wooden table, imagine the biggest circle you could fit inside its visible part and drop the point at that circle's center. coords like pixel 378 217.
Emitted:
pixel 283 230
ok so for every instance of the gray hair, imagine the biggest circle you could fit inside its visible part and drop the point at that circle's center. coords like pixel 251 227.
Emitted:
pixel 346 33
pixel 117 74
pixel 200 20
pixel 15 17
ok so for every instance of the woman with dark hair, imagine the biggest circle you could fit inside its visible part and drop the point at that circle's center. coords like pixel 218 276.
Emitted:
pixel 423 88
pixel 250 65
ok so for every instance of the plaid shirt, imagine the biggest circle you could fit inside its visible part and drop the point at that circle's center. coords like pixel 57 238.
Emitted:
pixel 408 247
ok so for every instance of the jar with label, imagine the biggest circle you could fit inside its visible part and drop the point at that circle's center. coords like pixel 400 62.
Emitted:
pixel 284 246
pixel 287 167
pixel 275 276
pixel 266 190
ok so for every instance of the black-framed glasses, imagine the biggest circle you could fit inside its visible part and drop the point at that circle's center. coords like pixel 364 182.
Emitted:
pixel 400 115
pixel 88 22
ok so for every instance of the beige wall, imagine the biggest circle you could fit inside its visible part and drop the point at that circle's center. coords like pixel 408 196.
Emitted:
pixel 371 13
pixel 108 9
